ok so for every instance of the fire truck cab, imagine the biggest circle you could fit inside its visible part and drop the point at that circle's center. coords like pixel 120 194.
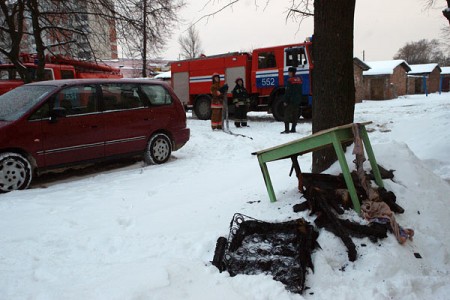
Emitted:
pixel 264 73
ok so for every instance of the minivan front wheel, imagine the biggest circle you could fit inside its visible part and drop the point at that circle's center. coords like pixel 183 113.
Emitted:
pixel 158 149
pixel 15 172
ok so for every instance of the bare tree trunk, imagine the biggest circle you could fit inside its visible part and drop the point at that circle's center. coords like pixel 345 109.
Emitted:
pixel 446 12
pixel 33 6
pixel 144 48
pixel 333 84
pixel 12 32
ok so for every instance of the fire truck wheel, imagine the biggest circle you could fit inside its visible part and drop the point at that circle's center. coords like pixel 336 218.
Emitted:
pixel 158 149
pixel 203 108
pixel 15 172
pixel 278 107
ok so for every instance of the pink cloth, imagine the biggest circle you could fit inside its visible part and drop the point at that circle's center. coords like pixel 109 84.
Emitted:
pixel 374 211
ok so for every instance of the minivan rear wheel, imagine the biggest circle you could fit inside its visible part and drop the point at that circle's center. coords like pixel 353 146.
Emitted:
pixel 15 172
pixel 158 149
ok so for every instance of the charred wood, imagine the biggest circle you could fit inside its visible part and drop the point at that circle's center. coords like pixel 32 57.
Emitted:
pixel 321 204
pixel 334 185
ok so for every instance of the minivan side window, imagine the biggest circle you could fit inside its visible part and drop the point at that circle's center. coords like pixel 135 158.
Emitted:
pixel 157 94
pixel 119 96
pixel 76 100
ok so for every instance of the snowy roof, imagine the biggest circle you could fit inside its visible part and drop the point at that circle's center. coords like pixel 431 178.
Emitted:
pixel 164 75
pixel 360 63
pixel 445 70
pixel 422 68
pixel 385 67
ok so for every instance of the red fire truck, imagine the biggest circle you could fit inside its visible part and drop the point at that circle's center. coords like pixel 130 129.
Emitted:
pixel 264 72
pixel 56 67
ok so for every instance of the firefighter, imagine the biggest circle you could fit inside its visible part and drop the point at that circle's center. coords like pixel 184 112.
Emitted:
pixel 216 103
pixel 292 99
pixel 242 102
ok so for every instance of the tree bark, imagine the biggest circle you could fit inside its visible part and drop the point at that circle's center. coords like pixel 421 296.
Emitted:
pixel 13 31
pixel 333 83
pixel 144 41
pixel 34 8
pixel 446 12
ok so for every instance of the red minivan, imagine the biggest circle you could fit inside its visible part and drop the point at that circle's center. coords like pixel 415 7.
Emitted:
pixel 56 124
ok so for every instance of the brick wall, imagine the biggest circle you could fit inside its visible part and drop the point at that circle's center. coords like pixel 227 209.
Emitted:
pixel 411 85
pixel 386 86
pixel 398 82
pixel 359 83
pixel 446 83
pixel 433 81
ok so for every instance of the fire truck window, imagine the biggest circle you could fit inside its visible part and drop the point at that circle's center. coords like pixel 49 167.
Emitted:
pixel 295 57
pixel 5 74
pixel 266 60
pixel 156 95
pixel 32 73
pixel 9 74
pixel 67 74
pixel 48 74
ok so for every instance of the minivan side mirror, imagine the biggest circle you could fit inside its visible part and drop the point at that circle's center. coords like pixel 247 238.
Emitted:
pixel 57 112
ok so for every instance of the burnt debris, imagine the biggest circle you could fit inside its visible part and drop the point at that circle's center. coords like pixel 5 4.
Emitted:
pixel 282 250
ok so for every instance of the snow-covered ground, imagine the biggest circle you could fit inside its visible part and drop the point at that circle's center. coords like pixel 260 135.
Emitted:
pixel 149 232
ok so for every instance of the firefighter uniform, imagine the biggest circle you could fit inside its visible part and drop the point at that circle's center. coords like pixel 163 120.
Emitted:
pixel 216 104
pixel 242 102
pixel 292 100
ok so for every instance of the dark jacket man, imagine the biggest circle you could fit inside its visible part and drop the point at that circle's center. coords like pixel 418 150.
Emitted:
pixel 292 100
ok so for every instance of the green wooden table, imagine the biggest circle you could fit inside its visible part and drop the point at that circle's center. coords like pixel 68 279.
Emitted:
pixel 333 137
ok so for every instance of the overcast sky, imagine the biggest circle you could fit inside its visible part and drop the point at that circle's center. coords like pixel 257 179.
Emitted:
pixel 381 26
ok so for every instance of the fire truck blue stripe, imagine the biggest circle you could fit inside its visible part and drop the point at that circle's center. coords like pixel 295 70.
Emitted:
pixel 266 75
pixel 286 73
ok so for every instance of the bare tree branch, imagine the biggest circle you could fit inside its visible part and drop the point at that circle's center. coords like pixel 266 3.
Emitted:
pixel 207 16
pixel 190 44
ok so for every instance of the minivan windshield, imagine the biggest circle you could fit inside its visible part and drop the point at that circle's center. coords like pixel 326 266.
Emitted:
pixel 17 102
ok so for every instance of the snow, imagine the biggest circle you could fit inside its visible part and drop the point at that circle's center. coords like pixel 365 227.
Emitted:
pixel 422 68
pixel 383 67
pixel 445 70
pixel 149 232
pixel 164 75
